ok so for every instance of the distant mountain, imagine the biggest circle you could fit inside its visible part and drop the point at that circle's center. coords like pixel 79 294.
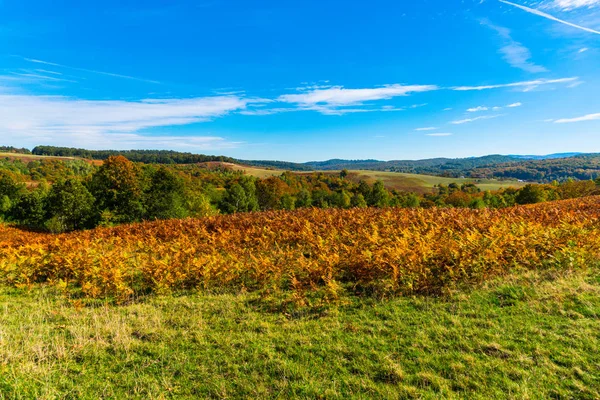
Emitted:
pixel 544 168
pixel 546 157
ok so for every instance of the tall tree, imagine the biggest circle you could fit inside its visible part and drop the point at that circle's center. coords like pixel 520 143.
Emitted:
pixel 117 188
pixel 165 197
pixel 70 206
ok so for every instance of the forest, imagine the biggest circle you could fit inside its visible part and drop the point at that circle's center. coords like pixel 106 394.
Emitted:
pixel 65 195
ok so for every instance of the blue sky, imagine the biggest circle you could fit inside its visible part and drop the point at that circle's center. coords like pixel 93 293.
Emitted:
pixel 303 80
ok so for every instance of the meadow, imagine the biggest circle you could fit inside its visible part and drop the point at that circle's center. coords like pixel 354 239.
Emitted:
pixel 313 303
pixel 531 335
pixel 416 183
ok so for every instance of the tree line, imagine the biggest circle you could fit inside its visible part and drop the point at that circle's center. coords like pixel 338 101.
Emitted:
pixel 59 196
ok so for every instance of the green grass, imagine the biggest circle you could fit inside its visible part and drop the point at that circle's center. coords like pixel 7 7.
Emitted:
pixel 530 336
pixel 33 156
pixel 394 180
pixel 424 183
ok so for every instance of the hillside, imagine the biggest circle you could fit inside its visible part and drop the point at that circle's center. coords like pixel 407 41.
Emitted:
pixel 547 168
pixel 364 303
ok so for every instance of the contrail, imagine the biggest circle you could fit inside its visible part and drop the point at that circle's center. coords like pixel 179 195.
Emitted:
pixel 548 16
pixel 88 70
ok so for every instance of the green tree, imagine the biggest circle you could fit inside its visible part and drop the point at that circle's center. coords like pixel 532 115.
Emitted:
pixel 303 199
pixel 530 194
pixel 340 199
pixel 9 185
pixel 379 196
pixel 165 196
pixel 117 188
pixel 288 202
pixel 411 200
pixel 238 200
pixel 70 206
pixel 30 210
pixel 477 203
pixel 358 200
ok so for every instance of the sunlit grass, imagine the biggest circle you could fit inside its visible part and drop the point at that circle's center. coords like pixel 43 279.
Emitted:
pixel 525 336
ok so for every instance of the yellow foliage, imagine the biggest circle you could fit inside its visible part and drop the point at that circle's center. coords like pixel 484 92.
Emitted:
pixel 389 251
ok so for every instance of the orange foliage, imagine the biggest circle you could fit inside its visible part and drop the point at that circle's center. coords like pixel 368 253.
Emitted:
pixel 389 251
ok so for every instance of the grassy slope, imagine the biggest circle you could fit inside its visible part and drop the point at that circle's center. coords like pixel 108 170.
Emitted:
pixel 394 180
pixel 522 337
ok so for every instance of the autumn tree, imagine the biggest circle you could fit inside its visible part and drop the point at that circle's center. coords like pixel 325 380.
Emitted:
pixel 269 192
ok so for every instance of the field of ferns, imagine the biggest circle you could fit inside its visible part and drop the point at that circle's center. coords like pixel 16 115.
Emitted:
pixel 369 251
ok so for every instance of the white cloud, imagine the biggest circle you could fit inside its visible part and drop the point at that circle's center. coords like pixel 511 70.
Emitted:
pixel 589 117
pixel 330 100
pixel 514 52
pixel 583 50
pixel 567 5
pixel 438 134
pixel 110 123
pixel 518 56
pixel 526 84
pixel 428 128
pixel 477 109
pixel 467 120
pixel 550 17
pixel 495 108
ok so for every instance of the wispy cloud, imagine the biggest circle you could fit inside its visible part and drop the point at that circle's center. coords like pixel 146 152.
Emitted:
pixel 332 100
pixel 526 84
pixel 550 17
pixel 101 123
pixel 477 109
pixel 467 120
pixel 567 5
pixel 39 77
pixel 495 108
pixel 583 50
pixel 514 52
pixel 33 60
pixel 439 134
pixel 428 128
pixel 589 117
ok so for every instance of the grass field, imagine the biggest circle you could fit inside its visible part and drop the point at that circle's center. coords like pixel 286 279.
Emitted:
pixel 33 157
pixel 330 304
pixel 424 183
pixel 532 335
pixel 394 180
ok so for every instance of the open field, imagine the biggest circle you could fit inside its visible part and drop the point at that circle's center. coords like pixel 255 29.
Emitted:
pixel 534 335
pixel 424 183
pixel 332 304
pixel 33 157
pixel 392 180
